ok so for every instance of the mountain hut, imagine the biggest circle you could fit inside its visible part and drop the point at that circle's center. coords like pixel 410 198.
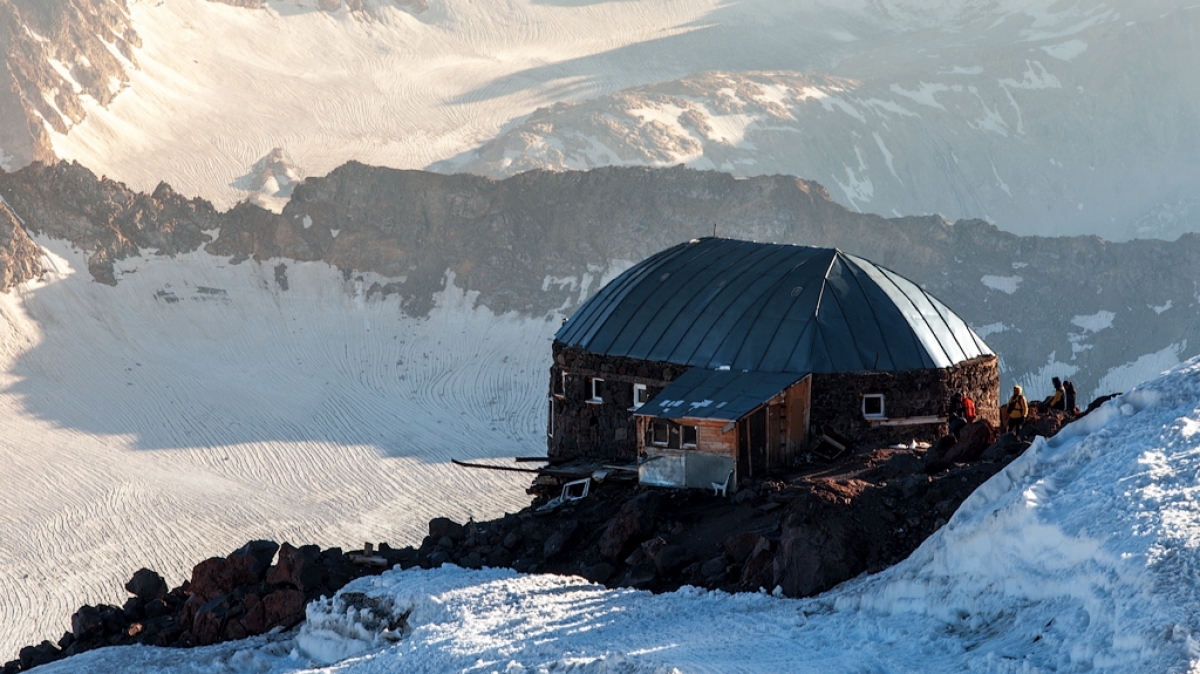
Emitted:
pixel 721 359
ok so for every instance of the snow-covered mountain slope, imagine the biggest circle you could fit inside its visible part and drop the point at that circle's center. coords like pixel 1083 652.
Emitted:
pixel 1044 117
pixel 1067 119
pixel 199 405
pixel 1079 557
pixel 216 87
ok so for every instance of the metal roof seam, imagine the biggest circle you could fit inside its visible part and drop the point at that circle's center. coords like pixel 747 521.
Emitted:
pixel 592 322
pixel 769 287
pixel 941 317
pixel 732 263
pixel 651 270
pixel 913 304
pixel 871 307
pixel 850 328
pixel 779 325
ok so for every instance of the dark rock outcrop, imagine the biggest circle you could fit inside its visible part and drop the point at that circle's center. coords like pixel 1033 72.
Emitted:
pixel 505 238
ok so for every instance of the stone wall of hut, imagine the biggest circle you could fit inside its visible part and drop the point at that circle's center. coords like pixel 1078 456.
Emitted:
pixel 837 400
pixel 578 428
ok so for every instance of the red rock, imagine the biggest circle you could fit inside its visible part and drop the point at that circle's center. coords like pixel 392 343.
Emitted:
pixel 218 575
pixel 296 569
pixel 284 608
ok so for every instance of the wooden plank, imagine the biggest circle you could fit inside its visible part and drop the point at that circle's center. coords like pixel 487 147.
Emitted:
pixel 510 469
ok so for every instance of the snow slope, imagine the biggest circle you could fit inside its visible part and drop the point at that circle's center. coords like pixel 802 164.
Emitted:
pixel 197 405
pixel 218 87
pixel 1045 117
pixel 1080 556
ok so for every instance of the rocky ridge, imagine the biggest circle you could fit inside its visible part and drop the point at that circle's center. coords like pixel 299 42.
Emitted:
pixel 802 533
pixel 1102 314
pixel 58 54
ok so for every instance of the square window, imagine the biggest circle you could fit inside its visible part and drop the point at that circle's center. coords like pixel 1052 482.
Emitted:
pixel 640 395
pixel 872 406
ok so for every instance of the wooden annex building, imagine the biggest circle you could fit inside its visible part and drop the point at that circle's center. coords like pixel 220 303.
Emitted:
pixel 720 358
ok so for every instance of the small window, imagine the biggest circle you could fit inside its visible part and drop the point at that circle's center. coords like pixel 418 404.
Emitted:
pixel 872 406
pixel 597 388
pixel 666 433
pixel 560 384
pixel 661 432
pixel 689 436
pixel 550 423
pixel 640 396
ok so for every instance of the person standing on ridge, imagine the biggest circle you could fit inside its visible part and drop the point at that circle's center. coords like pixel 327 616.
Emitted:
pixel 1018 409
pixel 961 412
pixel 1058 400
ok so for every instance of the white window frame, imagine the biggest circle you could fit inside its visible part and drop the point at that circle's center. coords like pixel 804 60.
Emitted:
pixel 636 389
pixel 550 428
pixel 882 414
pixel 562 385
pixel 596 398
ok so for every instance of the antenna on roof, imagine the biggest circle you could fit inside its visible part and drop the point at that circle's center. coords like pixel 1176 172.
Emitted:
pixel 714 230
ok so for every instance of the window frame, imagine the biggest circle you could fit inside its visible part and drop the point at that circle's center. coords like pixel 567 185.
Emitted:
pixel 594 383
pixel 882 414
pixel 666 426
pixel 638 405
pixel 683 433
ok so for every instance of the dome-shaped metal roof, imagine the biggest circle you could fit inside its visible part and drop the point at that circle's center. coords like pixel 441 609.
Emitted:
pixel 722 303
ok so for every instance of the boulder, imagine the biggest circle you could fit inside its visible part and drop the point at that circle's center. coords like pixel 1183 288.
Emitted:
pixel 714 569
pixel 216 576
pixel 740 546
pixel 444 526
pixel 935 457
pixel 262 552
pixel 42 654
pixel 86 623
pixel 973 438
pixel 633 522
pixel 297 568
pixel 1007 446
pixel 147 585
pixel 560 538
pixel 671 558
pixel 642 576
pixel 209 622
pixel 598 573
pixel 284 608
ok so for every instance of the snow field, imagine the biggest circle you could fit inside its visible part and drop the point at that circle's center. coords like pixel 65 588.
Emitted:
pixel 196 406
pixel 1081 556
pixel 397 90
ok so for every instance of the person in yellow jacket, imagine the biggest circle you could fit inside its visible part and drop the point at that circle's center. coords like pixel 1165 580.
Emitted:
pixel 1018 409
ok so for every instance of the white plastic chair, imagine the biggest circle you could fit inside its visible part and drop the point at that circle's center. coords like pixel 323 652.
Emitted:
pixel 722 488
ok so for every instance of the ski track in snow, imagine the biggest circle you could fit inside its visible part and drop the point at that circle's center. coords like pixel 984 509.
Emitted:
pixel 396 90
pixel 140 431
